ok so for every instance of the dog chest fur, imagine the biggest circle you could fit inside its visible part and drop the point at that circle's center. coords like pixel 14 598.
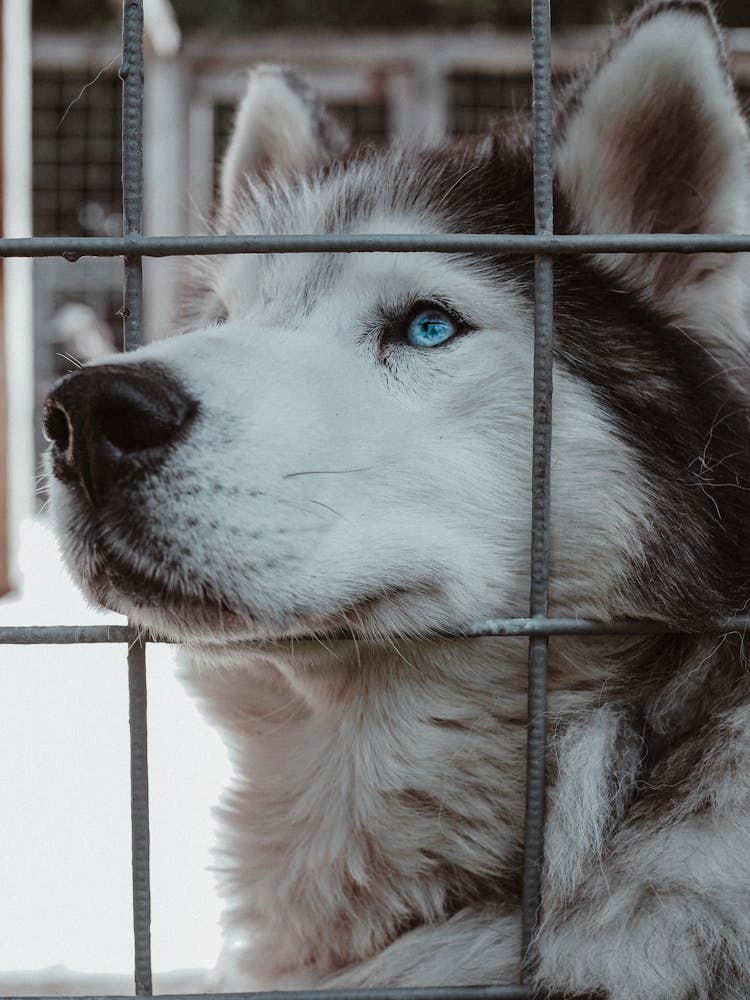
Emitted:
pixel 360 800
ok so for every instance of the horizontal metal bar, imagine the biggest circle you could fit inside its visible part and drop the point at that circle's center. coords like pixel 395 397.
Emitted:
pixel 20 635
pixel 72 248
pixel 509 992
pixel 540 626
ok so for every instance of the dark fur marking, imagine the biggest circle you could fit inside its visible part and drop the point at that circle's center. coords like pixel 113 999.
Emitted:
pixel 673 405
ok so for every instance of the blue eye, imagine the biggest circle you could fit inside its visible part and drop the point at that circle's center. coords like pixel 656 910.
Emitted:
pixel 430 327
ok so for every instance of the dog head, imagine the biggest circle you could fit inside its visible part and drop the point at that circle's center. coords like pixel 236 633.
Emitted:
pixel 341 444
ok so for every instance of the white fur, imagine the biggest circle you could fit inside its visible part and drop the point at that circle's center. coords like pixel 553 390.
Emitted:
pixel 603 161
pixel 416 432
pixel 273 130
pixel 379 780
pixel 330 740
pixel 595 777
pixel 665 910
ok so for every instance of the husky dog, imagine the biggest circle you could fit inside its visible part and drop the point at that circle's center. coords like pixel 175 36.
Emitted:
pixel 332 470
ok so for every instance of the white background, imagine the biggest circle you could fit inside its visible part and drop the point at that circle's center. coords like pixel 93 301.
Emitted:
pixel 65 889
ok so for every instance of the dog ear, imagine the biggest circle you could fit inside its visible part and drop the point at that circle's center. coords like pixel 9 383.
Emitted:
pixel 654 141
pixel 281 128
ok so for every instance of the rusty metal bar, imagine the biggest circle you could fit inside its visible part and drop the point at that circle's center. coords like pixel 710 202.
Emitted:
pixel 540 483
pixel 131 72
pixel 133 245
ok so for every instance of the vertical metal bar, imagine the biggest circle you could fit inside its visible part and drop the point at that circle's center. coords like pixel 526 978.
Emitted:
pixel 131 73
pixel 540 514
pixel 139 817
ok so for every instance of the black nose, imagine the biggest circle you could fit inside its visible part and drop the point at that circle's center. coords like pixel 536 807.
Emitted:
pixel 107 422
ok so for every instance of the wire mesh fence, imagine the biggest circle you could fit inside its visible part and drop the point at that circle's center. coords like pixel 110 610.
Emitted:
pixel 538 627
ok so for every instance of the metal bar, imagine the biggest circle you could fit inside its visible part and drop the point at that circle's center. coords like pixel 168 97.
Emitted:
pixel 20 635
pixel 133 246
pixel 543 626
pixel 514 991
pixel 73 248
pixel 540 486
pixel 139 826
pixel 131 72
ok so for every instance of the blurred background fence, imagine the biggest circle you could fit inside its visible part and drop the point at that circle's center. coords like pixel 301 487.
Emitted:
pixel 415 72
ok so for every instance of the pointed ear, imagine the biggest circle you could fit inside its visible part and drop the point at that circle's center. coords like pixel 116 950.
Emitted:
pixel 281 128
pixel 654 141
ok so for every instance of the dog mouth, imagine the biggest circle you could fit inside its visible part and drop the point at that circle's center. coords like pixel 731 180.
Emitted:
pixel 197 614
pixel 146 596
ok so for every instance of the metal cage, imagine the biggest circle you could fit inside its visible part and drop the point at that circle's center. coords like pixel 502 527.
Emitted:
pixel 538 627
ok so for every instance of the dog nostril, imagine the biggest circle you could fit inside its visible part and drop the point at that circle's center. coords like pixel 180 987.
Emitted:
pixel 132 420
pixel 109 422
pixel 56 426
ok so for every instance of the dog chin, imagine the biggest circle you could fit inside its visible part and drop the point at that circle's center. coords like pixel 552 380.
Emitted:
pixel 204 620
